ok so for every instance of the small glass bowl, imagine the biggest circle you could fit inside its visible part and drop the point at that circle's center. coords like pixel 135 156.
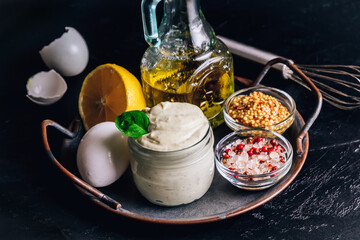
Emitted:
pixel 259 181
pixel 285 99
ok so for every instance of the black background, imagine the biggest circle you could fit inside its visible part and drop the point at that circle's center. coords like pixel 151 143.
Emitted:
pixel 37 202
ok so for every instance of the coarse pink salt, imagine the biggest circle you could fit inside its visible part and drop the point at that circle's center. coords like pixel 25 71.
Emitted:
pixel 254 155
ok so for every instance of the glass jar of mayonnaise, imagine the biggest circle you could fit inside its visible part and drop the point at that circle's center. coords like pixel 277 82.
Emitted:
pixel 168 175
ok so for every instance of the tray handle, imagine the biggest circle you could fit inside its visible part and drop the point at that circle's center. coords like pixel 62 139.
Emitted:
pixel 309 83
pixel 77 181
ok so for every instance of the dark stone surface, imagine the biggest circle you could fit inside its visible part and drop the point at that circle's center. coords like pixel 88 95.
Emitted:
pixel 37 202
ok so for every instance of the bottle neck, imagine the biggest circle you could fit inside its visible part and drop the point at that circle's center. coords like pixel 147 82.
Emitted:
pixel 183 20
pixel 181 12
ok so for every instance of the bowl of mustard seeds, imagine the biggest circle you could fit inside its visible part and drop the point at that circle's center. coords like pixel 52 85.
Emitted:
pixel 260 107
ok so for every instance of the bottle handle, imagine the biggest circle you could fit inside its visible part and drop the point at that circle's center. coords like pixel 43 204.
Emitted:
pixel 148 12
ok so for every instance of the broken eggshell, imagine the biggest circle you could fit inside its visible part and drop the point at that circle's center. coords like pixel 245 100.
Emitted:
pixel 68 55
pixel 46 88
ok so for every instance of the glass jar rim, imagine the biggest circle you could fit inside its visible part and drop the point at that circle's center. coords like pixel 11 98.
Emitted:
pixel 149 150
pixel 218 152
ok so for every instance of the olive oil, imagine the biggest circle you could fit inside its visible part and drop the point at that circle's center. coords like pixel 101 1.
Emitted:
pixel 177 80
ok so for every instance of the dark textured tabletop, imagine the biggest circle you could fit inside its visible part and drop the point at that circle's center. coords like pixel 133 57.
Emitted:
pixel 37 202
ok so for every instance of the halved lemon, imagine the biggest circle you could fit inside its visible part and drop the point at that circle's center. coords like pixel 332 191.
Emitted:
pixel 108 91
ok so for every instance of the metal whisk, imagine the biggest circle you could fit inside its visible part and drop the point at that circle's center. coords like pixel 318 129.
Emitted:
pixel 339 84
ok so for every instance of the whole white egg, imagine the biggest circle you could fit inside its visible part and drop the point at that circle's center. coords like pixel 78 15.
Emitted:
pixel 103 155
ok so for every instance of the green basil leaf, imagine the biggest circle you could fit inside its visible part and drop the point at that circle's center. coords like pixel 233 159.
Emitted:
pixel 133 123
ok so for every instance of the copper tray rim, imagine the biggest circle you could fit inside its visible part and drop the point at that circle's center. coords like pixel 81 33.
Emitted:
pixel 302 146
pixel 207 219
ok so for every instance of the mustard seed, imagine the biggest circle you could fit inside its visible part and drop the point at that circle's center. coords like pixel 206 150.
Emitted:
pixel 257 110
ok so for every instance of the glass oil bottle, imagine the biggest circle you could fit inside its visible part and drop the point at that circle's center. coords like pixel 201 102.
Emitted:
pixel 185 61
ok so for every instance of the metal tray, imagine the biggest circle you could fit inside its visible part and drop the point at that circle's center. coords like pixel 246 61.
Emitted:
pixel 222 200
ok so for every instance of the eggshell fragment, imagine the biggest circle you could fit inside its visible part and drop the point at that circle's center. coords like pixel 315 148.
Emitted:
pixel 46 88
pixel 68 54
pixel 103 155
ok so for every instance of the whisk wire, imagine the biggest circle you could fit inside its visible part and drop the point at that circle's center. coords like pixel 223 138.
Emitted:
pixel 334 71
pixel 332 67
pixel 334 101
pixel 350 85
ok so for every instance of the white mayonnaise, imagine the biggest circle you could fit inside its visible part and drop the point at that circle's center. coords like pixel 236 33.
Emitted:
pixel 174 126
pixel 174 163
